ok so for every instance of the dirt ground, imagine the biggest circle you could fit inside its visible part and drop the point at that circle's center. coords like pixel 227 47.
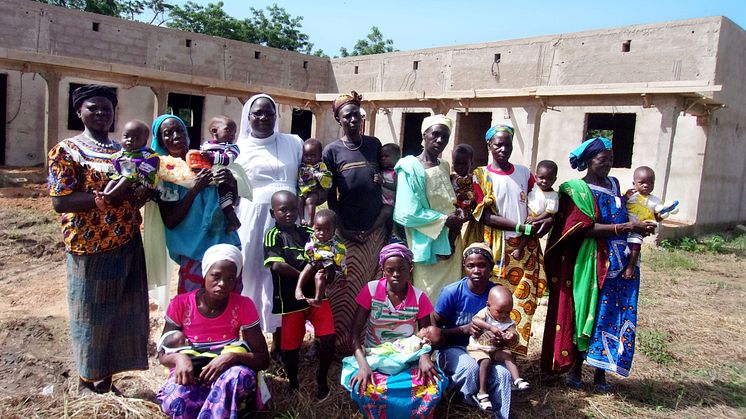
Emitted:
pixel 690 359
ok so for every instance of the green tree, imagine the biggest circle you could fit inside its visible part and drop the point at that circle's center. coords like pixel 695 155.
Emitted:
pixel 126 9
pixel 210 20
pixel 373 44
pixel 102 7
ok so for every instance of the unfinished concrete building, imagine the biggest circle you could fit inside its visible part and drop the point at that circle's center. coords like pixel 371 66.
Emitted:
pixel 672 93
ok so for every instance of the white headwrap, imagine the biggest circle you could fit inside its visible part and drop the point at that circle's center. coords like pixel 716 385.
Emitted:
pixel 220 252
pixel 245 131
pixel 436 120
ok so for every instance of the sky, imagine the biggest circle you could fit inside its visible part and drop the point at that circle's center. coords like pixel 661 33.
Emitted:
pixel 416 24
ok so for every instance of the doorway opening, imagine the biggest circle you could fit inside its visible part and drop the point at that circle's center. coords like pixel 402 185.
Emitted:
pixel 471 129
pixel 411 142
pixel 189 109
pixel 301 125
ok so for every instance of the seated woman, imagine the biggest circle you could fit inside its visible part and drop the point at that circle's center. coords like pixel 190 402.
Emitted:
pixel 214 314
pixel 391 308
pixel 457 305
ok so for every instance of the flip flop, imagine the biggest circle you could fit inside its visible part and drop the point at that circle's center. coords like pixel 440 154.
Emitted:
pixel 520 385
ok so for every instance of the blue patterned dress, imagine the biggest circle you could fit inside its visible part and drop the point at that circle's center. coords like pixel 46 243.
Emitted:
pixel 612 345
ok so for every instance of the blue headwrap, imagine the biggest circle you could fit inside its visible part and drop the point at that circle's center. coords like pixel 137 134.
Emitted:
pixel 156 144
pixel 586 151
pixel 498 128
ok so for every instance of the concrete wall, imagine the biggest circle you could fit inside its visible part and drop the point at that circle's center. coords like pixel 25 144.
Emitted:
pixel 32 26
pixel 723 193
pixel 681 50
pixel 26 106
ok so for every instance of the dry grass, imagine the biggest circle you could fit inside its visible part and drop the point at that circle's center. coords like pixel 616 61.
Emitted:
pixel 690 360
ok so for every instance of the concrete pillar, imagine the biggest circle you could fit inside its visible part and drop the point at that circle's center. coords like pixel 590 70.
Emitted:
pixel 161 99
pixel 666 135
pixel 371 110
pixel 52 117
pixel 533 126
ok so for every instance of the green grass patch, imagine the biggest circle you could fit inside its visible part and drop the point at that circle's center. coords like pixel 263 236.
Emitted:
pixel 654 344
pixel 666 260
pixel 726 242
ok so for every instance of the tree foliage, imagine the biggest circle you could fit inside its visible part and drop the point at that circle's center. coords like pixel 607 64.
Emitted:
pixel 373 44
pixel 125 9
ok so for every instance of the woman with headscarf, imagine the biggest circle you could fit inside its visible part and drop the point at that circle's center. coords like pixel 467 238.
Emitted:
pixel 592 311
pixel 270 160
pixel 189 205
pixel 355 197
pixel 214 318
pixel 388 309
pixel 107 293
pixel 502 213
pixel 458 304
pixel 425 207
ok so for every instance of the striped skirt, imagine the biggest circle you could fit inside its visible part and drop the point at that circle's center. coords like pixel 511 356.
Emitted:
pixel 107 295
pixel 362 266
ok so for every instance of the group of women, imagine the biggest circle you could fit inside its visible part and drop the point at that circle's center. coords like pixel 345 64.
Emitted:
pixel 592 309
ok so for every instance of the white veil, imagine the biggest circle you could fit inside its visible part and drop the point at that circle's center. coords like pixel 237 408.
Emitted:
pixel 245 131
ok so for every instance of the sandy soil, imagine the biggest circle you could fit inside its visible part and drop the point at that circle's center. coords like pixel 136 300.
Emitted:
pixel 692 315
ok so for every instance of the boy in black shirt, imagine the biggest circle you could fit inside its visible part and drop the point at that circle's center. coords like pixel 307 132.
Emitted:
pixel 285 256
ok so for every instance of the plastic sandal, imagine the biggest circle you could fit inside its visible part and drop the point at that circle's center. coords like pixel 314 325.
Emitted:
pixel 483 401
pixel 521 385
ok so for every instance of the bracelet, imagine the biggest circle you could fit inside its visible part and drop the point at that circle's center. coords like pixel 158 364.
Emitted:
pixel 527 229
pixel 518 228
pixel 616 233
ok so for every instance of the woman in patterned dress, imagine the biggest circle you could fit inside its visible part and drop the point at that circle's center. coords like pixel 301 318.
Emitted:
pixel 592 311
pixel 502 213
pixel 107 291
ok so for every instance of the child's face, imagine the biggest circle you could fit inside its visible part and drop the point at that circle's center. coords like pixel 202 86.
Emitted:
pixel 545 178
pixel 284 210
pixel 461 164
pixel 644 182
pixel 388 159
pixel 500 308
pixel 311 153
pixel 224 132
pixel 323 228
pixel 134 137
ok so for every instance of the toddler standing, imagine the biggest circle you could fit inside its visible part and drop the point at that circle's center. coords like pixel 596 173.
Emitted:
pixel 136 165
pixel 221 150
pixel 497 334
pixel 543 201
pixel 324 252
pixel 314 179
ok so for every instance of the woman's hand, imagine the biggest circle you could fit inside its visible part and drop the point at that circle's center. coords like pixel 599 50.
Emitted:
pixel 225 177
pixel 427 373
pixel 183 370
pixel 639 227
pixel 362 378
pixel 202 180
pixel 455 220
pixel 217 366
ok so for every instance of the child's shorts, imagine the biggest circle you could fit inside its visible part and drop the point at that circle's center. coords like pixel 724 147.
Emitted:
pixel 294 325
pixel 478 354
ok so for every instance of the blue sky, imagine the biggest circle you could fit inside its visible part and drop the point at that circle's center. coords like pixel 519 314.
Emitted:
pixel 416 24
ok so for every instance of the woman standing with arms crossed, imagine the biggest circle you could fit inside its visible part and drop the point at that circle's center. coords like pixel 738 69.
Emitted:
pixel 107 290
pixel 271 160
pixel 356 198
